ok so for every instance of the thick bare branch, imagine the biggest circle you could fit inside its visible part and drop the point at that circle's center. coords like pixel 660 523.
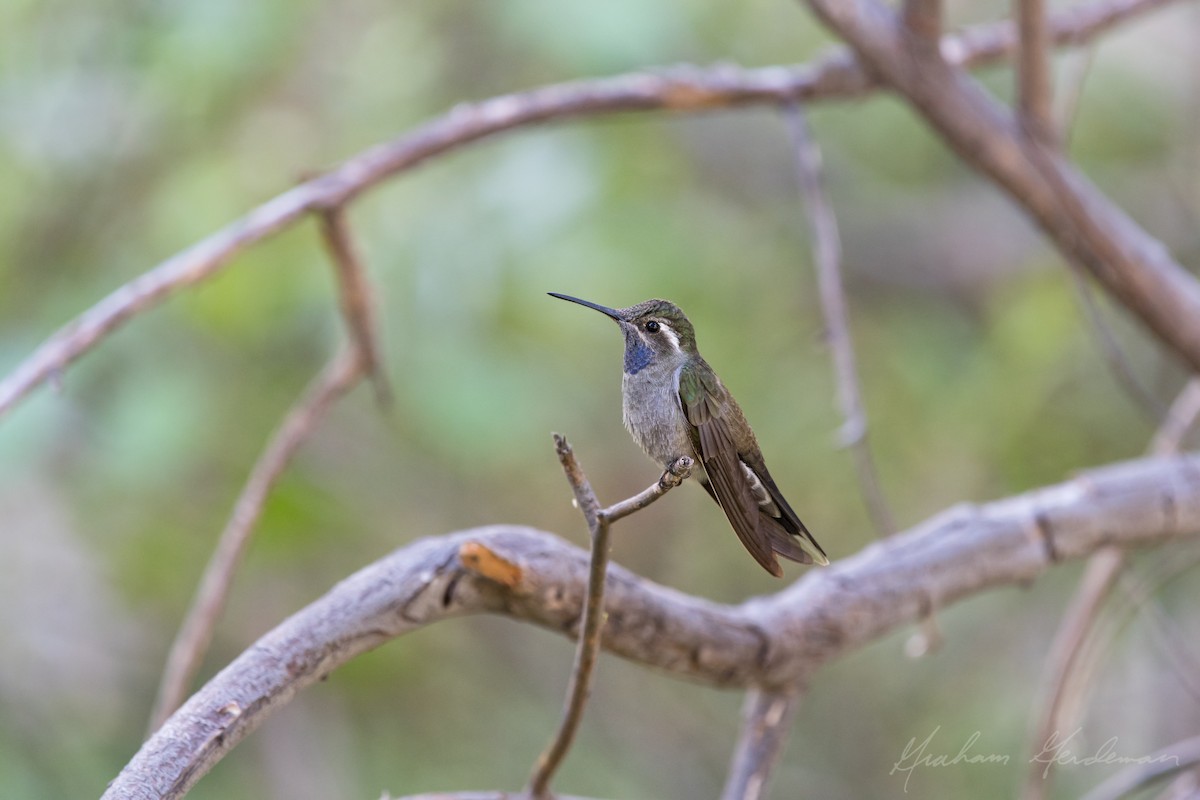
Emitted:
pixel 355 296
pixel 774 642
pixel 766 720
pixel 923 18
pixel 680 90
pixel 1087 227
pixel 827 255
pixel 192 640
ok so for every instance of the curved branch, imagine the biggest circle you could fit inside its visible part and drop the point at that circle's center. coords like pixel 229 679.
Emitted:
pixel 773 642
pixel 683 89
pixel 1087 227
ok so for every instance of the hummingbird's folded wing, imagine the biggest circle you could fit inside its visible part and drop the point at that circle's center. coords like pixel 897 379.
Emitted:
pixel 700 399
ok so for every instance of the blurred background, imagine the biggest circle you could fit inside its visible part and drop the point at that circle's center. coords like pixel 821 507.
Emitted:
pixel 130 130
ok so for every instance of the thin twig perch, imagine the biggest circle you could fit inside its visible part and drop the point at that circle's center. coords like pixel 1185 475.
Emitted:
pixel 599 521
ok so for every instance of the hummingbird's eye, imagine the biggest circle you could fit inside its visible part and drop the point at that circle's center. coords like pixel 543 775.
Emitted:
pixel 652 326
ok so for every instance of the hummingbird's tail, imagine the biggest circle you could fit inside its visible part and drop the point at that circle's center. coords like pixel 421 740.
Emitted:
pixel 799 546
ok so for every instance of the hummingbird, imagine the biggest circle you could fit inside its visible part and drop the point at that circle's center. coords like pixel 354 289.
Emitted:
pixel 674 405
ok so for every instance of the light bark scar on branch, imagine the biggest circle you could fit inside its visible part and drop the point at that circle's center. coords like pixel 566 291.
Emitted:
pixel 487 563
pixel 683 96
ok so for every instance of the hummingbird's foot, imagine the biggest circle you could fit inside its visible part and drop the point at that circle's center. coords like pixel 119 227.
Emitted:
pixel 677 472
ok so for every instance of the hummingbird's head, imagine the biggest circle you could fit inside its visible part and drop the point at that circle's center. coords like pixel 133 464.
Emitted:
pixel 656 331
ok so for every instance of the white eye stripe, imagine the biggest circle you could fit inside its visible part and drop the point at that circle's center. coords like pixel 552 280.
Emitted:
pixel 671 336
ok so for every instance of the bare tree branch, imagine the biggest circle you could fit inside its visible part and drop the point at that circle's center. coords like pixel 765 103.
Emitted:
pixel 923 18
pixel 355 297
pixel 1086 226
pixel 766 720
pixel 773 642
pixel 827 256
pixel 680 90
pixel 599 522
pixel 1034 82
pixel 195 634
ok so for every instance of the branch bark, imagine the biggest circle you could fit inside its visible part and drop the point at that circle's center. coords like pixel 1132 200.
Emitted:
pixel 679 90
pixel 772 642
pixel 766 720
pixel 1034 85
pixel 923 18
pixel 1085 225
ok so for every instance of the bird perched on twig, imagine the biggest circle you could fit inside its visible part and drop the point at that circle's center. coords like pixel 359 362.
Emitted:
pixel 675 405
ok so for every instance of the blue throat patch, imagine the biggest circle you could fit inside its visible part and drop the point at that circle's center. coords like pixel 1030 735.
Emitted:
pixel 638 354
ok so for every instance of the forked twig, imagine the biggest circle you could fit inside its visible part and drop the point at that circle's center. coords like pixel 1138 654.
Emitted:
pixel 195 634
pixel 599 521
pixel 827 253
pixel 766 720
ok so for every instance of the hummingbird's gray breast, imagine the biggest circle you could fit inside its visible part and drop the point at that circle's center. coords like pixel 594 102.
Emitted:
pixel 652 413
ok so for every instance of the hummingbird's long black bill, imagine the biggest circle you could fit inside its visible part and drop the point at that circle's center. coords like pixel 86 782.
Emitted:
pixel 612 312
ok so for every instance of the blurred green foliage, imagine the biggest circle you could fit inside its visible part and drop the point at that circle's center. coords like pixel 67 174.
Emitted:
pixel 130 130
